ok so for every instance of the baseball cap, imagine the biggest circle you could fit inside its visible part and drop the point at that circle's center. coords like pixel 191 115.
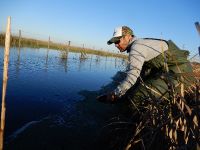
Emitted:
pixel 118 33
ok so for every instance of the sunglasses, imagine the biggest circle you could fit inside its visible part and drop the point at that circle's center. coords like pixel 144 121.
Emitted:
pixel 117 42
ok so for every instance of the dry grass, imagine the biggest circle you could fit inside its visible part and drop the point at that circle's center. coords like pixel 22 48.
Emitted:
pixel 196 69
pixel 161 123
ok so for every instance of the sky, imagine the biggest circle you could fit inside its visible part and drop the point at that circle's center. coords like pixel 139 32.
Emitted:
pixel 92 22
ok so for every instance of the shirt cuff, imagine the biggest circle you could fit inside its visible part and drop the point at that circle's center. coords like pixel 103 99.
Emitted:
pixel 118 92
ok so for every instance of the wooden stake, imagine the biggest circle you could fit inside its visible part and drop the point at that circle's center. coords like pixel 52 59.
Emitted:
pixel 69 42
pixel 5 78
pixel 19 44
pixel 19 38
pixel 49 42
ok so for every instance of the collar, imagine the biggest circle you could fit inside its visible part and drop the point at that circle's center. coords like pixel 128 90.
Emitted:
pixel 128 49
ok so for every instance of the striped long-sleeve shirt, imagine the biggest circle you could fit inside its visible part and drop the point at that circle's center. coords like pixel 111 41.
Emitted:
pixel 140 51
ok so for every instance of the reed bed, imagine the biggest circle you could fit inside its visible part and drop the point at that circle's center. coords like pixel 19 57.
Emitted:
pixel 159 123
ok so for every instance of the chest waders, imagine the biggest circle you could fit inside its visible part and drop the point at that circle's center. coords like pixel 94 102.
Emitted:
pixel 171 68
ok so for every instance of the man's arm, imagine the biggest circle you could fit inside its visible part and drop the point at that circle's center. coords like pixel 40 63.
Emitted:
pixel 136 60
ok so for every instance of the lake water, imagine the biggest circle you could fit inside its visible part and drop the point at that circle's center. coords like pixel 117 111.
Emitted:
pixel 50 102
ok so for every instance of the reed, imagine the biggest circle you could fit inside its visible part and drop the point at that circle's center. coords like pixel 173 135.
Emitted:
pixel 175 121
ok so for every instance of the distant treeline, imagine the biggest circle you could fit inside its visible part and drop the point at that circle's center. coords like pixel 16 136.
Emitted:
pixel 34 43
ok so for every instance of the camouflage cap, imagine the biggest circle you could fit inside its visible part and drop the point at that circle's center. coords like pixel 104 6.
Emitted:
pixel 119 32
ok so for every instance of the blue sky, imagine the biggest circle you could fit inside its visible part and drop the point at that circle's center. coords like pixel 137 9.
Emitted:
pixel 92 21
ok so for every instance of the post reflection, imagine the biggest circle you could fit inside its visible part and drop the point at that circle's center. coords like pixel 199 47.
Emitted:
pixel 64 58
pixel 18 60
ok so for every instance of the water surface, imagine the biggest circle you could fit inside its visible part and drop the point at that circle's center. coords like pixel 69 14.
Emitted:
pixel 51 102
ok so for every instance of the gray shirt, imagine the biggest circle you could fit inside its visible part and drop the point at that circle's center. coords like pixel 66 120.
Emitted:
pixel 140 51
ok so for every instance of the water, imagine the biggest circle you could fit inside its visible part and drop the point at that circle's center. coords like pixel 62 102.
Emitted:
pixel 51 102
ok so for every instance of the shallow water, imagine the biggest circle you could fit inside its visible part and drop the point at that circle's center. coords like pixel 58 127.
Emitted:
pixel 51 101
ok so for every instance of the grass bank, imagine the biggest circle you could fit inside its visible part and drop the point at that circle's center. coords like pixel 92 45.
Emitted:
pixel 34 43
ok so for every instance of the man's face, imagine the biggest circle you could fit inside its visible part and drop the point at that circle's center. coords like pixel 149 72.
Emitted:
pixel 123 43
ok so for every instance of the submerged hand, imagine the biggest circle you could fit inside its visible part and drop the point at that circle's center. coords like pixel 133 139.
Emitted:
pixel 107 98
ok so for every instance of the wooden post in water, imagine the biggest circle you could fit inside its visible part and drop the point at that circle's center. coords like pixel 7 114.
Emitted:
pixel 19 44
pixel 5 78
pixel 19 38
pixel 0 38
pixel 83 47
pixel 37 44
pixel 49 42
pixel 48 51
pixel 69 42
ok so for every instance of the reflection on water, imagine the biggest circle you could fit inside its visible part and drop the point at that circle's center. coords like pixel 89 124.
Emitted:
pixel 47 107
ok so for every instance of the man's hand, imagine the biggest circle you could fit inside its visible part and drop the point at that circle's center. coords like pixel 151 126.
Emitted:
pixel 107 98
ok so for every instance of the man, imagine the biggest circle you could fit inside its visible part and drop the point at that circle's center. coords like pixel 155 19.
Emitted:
pixel 148 60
